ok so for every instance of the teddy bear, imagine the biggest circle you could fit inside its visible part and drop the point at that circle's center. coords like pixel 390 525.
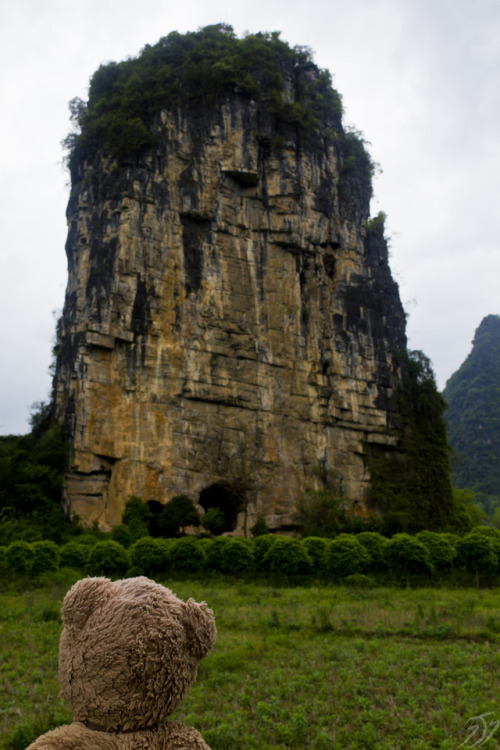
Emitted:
pixel 128 654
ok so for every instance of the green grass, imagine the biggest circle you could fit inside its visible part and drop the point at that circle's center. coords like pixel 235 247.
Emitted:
pixel 304 667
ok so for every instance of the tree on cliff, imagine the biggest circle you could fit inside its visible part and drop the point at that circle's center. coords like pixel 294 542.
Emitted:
pixel 413 488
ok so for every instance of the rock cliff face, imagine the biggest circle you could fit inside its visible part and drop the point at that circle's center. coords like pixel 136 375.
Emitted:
pixel 230 323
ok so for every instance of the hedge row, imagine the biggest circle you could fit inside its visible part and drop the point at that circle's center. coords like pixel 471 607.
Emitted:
pixel 367 554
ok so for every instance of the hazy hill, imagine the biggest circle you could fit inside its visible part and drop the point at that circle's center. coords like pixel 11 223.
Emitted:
pixel 473 416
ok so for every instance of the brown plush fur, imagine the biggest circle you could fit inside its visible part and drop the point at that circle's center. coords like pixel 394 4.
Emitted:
pixel 129 652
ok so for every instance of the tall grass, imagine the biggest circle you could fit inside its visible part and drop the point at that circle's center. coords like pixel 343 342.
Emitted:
pixel 303 667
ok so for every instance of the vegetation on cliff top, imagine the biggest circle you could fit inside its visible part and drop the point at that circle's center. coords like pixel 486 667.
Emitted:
pixel 473 417
pixel 197 69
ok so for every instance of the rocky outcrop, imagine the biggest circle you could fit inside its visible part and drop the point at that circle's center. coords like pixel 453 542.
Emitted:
pixel 230 321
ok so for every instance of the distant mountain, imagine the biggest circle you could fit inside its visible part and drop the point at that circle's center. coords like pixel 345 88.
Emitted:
pixel 473 416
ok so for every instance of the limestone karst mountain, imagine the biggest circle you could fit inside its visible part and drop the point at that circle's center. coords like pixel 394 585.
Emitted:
pixel 231 323
pixel 473 416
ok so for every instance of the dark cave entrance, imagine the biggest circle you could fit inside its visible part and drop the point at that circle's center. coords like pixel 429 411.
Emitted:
pixel 155 507
pixel 226 498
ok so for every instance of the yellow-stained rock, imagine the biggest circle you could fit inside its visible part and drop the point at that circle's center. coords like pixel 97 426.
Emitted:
pixel 227 319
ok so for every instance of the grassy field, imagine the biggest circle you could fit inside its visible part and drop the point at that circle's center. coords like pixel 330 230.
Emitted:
pixel 295 667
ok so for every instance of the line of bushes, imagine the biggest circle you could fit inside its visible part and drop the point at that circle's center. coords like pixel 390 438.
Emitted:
pixel 366 559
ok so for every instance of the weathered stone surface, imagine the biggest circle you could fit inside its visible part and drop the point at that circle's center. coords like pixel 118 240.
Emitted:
pixel 227 319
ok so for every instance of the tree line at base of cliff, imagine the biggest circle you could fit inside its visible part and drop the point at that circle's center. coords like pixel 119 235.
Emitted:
pixel 364 560
pixel 410 491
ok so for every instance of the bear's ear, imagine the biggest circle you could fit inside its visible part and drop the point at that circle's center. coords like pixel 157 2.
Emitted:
pixel 199 623
pixel 82 598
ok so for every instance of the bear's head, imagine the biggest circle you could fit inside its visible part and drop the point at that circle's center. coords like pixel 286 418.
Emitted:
pixel 129 651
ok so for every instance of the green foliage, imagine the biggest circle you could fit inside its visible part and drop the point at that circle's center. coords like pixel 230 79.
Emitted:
pixel 27 732
pixel 11 529
pixel 288 557
pixel 40 418
pixel 214 553
pixel 197 70
pixel 412 486
pixel 108 558
pixel 467 508
pixel 137 529
pixel 376 225
pixel 31 469
pixel 74 555
pixel 89 538
pixel 186 556
pixel 146 557
pixel 451 538
pixel 206 543
pixel 122 534
pixel 46 556
pixel 495 518
pixel 473 416
pixel 166 546
pixel 489 531
pixel 50 446
pixel 357 164
pixel 442 552
pixel 135 510
pixel 476 552
pixel 19 557
pixel 214 521
pixel 315 547
pixel 344 556
pixel 137 517
pixel 178 513
pixel 494 535
pixel 405 554
pixel 321 512
pixel 375 544
pixel 260 527
pixel 261 547
pixel 237 556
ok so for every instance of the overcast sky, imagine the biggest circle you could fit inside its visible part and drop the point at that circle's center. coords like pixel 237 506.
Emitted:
pixel 419 78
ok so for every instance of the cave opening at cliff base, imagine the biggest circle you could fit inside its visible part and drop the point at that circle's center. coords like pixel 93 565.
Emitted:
pixel 226 498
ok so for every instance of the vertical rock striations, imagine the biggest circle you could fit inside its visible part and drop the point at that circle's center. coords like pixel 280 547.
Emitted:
pixel 230 322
